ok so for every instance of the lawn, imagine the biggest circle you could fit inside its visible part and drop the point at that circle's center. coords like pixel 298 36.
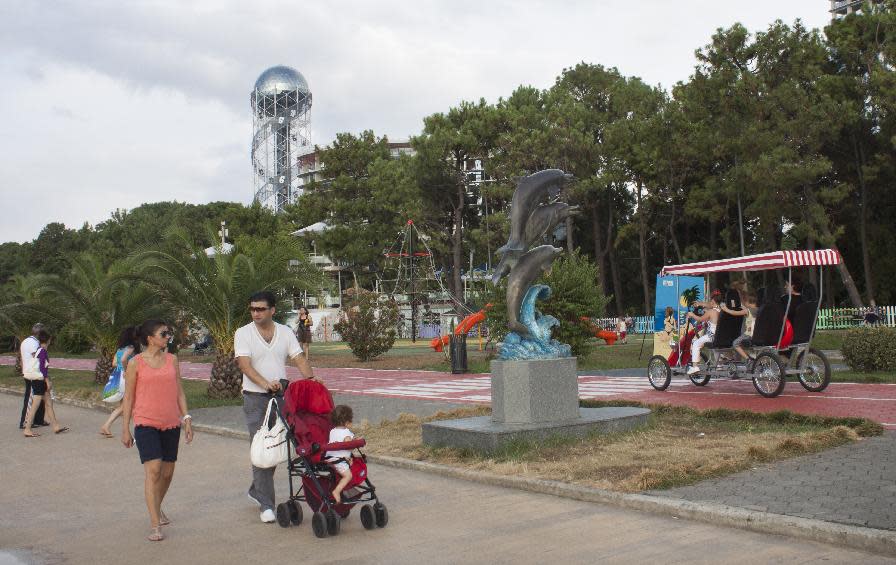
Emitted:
pixel 80 385
pixel 678 446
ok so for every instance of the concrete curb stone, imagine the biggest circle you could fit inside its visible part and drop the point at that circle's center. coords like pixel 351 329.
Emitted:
pixel 856 537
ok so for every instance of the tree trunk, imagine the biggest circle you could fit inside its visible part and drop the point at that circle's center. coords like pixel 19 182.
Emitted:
pixel 672 235
pixel 642 250
pixel 227 379
pixel 570 246
pixel 17 344
pixel 457 245
pixel 614 271
pixel 598 247
pixel 863 221
pixel 103 367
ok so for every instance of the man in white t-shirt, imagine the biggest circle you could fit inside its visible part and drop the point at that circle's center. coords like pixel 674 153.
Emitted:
pixel 29 347
pixel 262 349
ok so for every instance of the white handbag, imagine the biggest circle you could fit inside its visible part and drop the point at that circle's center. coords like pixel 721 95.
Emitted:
pixel 269 447
pixel 31 368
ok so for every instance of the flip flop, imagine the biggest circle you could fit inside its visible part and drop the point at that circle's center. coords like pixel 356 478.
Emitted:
pixel 32 435
pixel 164 521
pixel 107 435
pixel 156 534
pixel 61 430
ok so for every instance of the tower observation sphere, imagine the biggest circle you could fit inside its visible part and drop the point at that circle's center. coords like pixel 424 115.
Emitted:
pixel 281 102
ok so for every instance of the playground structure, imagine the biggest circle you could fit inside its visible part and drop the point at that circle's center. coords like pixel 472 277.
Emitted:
pixel 464 327
pixel 600 333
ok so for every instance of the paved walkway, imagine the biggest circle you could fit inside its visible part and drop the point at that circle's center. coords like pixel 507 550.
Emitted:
pixel 874 401
pixel 87 507
pixel 853 484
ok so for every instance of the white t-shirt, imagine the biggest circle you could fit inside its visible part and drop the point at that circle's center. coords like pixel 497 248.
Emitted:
pixel 337 435
pixel 29 347
pixel 269 359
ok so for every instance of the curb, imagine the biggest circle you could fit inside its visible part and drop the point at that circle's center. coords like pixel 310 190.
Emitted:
pixel 855 537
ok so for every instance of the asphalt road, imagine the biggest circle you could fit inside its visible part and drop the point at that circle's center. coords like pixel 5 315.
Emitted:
pixel 78 498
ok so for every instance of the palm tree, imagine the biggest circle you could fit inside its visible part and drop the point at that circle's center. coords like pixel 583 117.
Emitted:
pixel 20 309
pixel 99 303
pixel 215 289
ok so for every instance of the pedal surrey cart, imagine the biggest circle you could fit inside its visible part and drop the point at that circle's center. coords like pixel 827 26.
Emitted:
pixel 782 331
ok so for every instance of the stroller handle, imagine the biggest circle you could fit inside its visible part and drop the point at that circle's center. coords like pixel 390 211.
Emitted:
pixel 343 445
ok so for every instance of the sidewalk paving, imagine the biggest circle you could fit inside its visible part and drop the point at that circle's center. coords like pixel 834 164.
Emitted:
pixel 88 508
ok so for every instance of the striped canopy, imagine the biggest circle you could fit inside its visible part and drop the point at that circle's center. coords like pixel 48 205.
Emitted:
pixel 761 262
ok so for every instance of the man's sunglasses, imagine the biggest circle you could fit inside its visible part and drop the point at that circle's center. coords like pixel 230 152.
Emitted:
pixel 259 308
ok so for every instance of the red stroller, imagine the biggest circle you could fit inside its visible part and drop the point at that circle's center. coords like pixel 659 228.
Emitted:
pixel 307 414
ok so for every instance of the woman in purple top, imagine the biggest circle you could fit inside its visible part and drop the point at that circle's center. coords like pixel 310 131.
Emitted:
pixel 37 379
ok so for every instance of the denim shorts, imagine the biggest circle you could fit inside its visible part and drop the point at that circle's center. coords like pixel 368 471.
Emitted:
pixel 153 443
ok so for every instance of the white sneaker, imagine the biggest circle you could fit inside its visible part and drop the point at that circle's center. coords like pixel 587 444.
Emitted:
pixel 268 516
pixel 694 369
pixel 253 499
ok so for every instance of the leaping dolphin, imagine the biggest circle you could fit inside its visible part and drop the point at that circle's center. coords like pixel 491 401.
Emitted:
pixel 529 267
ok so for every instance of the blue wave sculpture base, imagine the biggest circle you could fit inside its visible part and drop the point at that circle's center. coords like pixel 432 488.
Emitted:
pixel 537 344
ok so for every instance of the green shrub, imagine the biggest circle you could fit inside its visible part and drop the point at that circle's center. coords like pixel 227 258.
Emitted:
pixel 575 292
pixel 870 349
pixel 70 340
pixel 367 323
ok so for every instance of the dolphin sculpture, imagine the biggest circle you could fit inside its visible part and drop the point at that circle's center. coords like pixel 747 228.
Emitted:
pixel 530 191
pixel 529 267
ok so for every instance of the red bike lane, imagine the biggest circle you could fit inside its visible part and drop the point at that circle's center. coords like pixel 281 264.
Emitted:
pixel 874 401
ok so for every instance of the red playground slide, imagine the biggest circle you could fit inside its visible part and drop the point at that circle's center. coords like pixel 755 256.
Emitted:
pixel 599 332
pixel 463 327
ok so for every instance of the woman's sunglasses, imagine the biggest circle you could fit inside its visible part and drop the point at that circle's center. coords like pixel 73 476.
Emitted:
pixel 166 334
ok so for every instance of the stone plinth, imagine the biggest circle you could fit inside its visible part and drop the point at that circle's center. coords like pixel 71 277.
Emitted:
pixel 543 390
pixel 532 401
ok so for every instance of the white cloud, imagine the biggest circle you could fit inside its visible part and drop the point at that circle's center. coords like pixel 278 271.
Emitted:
pixel 112 104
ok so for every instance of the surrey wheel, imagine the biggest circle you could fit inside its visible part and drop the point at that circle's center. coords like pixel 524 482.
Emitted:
pixel 659 373
pixel 700 379
pixel 816 375
pixel 769 376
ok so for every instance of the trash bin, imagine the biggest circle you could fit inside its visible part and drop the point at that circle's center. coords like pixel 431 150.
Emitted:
pixel 458 347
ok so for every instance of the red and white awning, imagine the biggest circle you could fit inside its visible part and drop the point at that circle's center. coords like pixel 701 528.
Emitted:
pixel 761 262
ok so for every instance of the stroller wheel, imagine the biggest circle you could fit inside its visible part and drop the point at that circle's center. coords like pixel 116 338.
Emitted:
pixel 283 515
pixel 367 518
pixel 319 524
pixel 382 515
pixel 334 522
pixel 295 512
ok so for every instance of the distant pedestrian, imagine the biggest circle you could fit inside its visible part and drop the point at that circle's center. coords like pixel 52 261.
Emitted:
pixel 622 329
pixel 27 350
pixel 155 399
pixel 303 330
pixel 128 346
pixel 37 372
pixel 262 348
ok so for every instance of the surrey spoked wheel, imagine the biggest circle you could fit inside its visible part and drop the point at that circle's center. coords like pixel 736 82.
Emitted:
pixel 283 515
pixel 659 373
pixel 295 512
pixel 319 524
pixel 701 379
pixel 816 375
pixel 381 514
pixel 367 518
pixel 334 522
pixel 768 375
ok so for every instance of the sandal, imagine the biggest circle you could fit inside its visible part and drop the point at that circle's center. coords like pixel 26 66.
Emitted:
pixel 107 435
pixel 156 534
pixel 32 434
pixel 62 430
pixel 164 521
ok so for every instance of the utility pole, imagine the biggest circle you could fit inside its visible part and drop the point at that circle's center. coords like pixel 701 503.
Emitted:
pixel 223 232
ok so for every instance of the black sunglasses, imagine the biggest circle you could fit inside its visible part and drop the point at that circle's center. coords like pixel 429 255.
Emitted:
pixel 259 308
pixel 166 334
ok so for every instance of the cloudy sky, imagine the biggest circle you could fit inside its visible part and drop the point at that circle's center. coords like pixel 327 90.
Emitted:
pixel 110 104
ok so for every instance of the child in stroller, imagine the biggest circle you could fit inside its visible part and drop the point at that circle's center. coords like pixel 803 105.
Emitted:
pixel 341 417
pixel 307 413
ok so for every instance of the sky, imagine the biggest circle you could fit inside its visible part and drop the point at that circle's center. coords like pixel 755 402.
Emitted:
pixel 109 104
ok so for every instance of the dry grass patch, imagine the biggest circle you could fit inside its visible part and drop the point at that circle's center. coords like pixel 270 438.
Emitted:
pixel 678 446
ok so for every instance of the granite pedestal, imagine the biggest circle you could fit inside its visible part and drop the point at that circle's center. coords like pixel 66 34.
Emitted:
pixel 532 401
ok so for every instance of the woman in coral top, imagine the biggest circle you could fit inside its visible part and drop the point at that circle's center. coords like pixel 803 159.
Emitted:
pixel 155 399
